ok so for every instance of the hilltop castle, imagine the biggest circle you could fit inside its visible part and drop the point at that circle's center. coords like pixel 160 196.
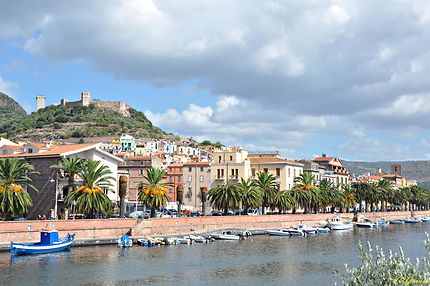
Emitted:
pixel 118 106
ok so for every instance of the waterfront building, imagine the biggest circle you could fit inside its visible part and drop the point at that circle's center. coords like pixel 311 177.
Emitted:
pixel 229 165
pixel 197 175
pixel 284 170
pixel 10 149
pixel 135 167
pixel 49 182
pixel 314 169
pixel 174 177
pixel 334 169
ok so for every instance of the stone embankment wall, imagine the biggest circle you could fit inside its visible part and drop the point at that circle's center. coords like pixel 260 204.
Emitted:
pixel 28 231
pixel 182 226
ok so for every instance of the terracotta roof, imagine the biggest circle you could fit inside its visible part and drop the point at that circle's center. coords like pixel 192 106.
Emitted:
pixel 14 147
pixel 176 165
pixel 255 160
pixel 323 159
pixel 138 157
pixel 196 164
pixel 53 151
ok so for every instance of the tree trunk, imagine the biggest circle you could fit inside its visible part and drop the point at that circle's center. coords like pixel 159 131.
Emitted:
pixel 152 211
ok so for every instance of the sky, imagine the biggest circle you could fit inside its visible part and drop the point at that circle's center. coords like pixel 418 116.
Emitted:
pixel 345 78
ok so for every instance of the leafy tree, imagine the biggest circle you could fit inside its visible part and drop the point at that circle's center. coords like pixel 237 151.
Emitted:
pixel 267 185
pixel 70 166
pixel 225 197
pixel 251 195
pixel 304 192
pixel 14 199
pixel 152 192
pixel 90 196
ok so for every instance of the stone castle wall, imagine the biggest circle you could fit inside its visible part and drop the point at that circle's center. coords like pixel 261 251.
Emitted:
pixel 117 106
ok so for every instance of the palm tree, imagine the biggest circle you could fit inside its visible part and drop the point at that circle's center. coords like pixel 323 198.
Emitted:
pixel 225 197
pixel 385 191
pixel 304 192
pixel 90 196
pixel 284 200
pixel 204 198
pixel 329 194
pixel 267 185
pixel 252 197
pixel 122 192
pixel 152 192
pixel 71 167
pixel 14 199
pixel 347 197
pixel 361 193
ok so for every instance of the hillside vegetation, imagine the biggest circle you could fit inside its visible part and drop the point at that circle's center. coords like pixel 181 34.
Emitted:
pixel 417 170
pixel 66 121
pixel 9 108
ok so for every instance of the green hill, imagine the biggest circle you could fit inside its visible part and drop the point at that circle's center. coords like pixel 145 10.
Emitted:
pixel 9 108
pixel 416 170
pixel 66 121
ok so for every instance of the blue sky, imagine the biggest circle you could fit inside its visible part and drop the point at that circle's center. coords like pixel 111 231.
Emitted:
pixel 348 78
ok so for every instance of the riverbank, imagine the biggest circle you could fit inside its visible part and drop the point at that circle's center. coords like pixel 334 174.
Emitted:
pixel 107 231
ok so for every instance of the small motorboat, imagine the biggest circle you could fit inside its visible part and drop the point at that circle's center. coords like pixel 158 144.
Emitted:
pixel 382 223
pixel 425 219
pixel 125 241
pixel 182 240
pixel 148 242
pixel 306 229
pixel 294 232
pixel 197 239
pixel 323 230
pixel 49 242
pixel 365 224
pixel 226 235
pixel 337 224
pixel 412 220
pixel 397 221
pixel 278 232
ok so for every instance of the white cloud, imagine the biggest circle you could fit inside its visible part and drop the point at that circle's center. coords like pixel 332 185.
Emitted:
pixel 7 86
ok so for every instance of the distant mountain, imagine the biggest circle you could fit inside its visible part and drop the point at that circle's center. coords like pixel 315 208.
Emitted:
pixel 416 170
pixel 9 108
pixel 76 121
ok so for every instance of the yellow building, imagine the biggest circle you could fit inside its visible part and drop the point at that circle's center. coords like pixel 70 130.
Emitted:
pixel 229 165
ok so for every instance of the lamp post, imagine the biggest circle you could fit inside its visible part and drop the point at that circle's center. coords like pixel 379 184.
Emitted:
pixel 56 196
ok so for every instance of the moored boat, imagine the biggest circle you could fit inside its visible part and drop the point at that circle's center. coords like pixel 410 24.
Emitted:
pixel 337 224
pixel 365 224
pixel 306 229
pixel 49 242
pixel 412 220
pixel 125 241
pixel 226 235
pixel 323 230
pixel 397 221
pixel 425 219
pixel 382 223
pixel 293 231
pixel 278 232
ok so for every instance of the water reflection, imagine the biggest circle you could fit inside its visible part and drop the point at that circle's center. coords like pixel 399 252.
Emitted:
pixel 257 260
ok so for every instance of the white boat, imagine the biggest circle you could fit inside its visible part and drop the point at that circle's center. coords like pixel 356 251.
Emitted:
pixel 277 232
pixel 198 239
pixel 182 240
pixel 425 219
pixel 306 229
pixel 412 220
pixel 337 224
pixel 397 221
pixel 294 231
pixel 226 235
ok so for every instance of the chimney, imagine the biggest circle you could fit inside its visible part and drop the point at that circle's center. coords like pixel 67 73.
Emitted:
pixel 324 155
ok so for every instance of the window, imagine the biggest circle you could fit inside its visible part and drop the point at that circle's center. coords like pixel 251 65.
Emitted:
pixel 232 172
pixel 190 169
pixel 140 171
pixel 278 172
pixel 219 159
pixel 222 173
pixel 289 172
pixel 171 190
pixel 253 172
pixel 30 150
pixel 201 169
pixel 294 172
pixel 179 179
pixel 189 178
pixel 231 158
pixel 202 178
pixel 170 179
pixel 266 170
pixel 218 173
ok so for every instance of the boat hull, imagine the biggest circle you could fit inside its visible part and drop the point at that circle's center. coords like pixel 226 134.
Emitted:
pixel 397 222
pixel 277 232
pixel 412 221
pixel 340 226
pixel 364 225
pixel 25 249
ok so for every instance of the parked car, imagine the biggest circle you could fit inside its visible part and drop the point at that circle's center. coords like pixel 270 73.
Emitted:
pixel 216 213
pixel 140 214
pixel 252 212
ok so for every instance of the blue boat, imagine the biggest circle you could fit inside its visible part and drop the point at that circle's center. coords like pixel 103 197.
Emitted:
pixel 49 242
pixel 412 220
pixel 397 221
pixel 425 219
pixel 125 241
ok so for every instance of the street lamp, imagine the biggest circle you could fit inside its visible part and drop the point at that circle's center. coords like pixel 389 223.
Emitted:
pixel 56 195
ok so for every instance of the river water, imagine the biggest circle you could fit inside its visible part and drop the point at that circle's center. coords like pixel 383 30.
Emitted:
pixel 258 260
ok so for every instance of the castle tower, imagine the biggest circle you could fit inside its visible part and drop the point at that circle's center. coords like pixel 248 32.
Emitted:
pixel 85 98
pixel 40 102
